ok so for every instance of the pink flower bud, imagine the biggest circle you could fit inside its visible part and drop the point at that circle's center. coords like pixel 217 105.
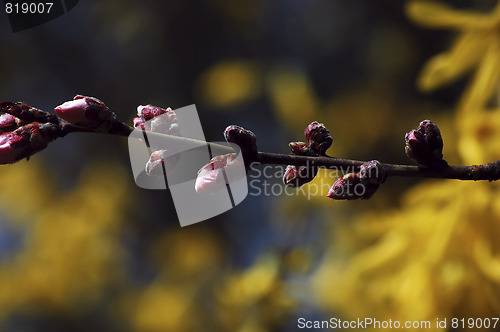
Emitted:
pixel 7 123
pixel 319 137
pixel 12 146
pixel 347 187
pixel 73 111
pixel 291 174
pixel 425 145
pixel 210 177
pixel 163 121
pixel 88 112
pixel 139 123
pixel 359 185
pixel 26 141
pixel 147 112
pixel 296 176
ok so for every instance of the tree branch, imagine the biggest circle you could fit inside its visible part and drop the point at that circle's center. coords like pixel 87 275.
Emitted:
pixel 28 130
pixel 490 171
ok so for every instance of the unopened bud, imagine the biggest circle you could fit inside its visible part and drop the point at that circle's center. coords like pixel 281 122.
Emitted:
pixel 26 141
pixel 291 174
pixel 88 112
pixel 372 172
pixel 148 112
pixel 139 123
pixel 358 185
pixel 319 137
pixel 157 119
pixel 296 176
pixel 245 139
pixel 26 114
pixel 425 145
pixel 347 187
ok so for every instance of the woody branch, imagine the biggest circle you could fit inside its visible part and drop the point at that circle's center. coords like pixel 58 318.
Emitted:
pixel 25 130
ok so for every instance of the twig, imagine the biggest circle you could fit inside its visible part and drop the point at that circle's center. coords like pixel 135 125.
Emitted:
pixel 423 145
pixel 490 171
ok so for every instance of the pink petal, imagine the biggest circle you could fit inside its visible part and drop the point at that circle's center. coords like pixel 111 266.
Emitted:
pixel 7 123
pixel 147 112
pixel 139 123
pixel 73 111
pixel 9 154
pixel 209 176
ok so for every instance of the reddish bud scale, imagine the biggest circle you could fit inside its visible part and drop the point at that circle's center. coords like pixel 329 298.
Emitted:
pixel 319 137
pixel 245 139
pixel 425 145
pixel 27 114
pixel 372 172
pixel 348 187
pixel 163 121
pixel 301 149
pixel 359 185
pixel 148 112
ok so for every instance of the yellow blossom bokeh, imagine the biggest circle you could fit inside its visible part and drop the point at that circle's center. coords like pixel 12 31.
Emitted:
pixel 435 256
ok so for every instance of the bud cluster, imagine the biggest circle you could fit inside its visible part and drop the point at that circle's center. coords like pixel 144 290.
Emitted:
pixel 162 121
pixel 24 131
pixel 320 140
pixel 359 185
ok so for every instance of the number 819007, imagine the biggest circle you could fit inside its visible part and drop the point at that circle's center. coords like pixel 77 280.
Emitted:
pixel 478 323
pixel 28 8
